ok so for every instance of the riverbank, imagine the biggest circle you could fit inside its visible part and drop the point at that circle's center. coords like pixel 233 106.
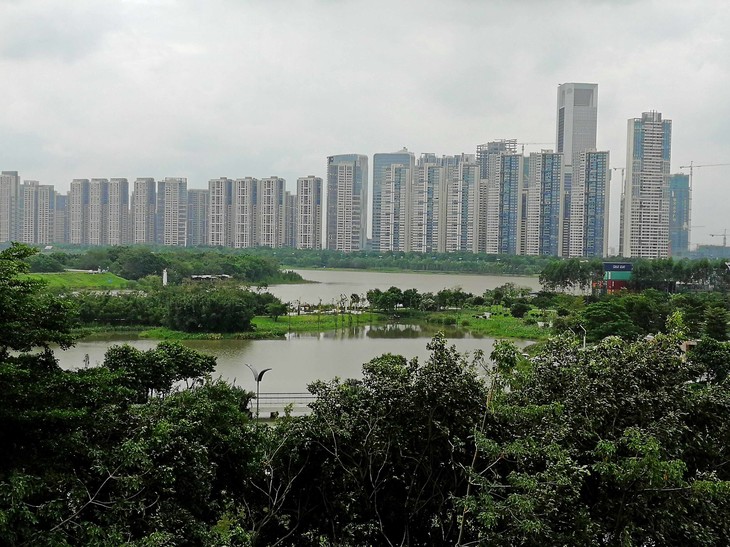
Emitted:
pixel 267 328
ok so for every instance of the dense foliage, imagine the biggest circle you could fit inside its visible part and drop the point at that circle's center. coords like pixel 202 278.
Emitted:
pixel 192 307
pixel 663 274
pixel 137 262
pixel 464 262
pixel 620 443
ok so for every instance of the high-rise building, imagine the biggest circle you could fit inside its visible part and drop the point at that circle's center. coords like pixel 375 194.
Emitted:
pixel 645 200
pixel 36 207
pixel 392 180
pixel 98 212
pixel 198 202
pixel 347 197
pixel 60 224
pixel 118 218
pixel 544 205
pixel 393 209
pixel 220 211
pixel 245 210
pixel 680 200
pixel 575 132
pixel 290 219
pixel 460 202
pixel 511 189
pixel 589 205
pixel 577 119
pixel 489 195
pixel 309 213
pixel 142 217
pixel 428 212
pixel 271 225
pixel 78 212
pixel 172 211
pixel 9 188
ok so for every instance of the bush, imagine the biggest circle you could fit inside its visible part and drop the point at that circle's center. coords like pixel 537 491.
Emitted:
pixel 519 309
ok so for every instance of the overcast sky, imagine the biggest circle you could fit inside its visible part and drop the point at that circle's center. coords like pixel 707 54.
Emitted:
pixel 203 89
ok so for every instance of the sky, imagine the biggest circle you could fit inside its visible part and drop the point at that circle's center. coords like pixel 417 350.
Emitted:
pixel 184 88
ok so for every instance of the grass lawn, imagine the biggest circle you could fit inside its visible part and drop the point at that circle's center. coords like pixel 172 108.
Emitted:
pixel 314 323
pixel 82 280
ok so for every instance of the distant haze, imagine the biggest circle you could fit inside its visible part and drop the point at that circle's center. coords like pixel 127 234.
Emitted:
pixel 256 88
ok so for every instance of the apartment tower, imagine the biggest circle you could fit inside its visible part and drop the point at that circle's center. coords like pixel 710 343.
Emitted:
pixel 645 199
pixel 9 188
pixel 142 216
pixel 309 213
pixel 392 181
pixel 347 197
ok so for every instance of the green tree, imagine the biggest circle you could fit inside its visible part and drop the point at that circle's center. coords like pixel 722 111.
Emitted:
pixel 31 317
pixel 275 310
pixel 716 319
pixel 381 458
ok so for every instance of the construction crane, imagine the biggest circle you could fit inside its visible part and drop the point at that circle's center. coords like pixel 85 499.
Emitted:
pixel 692 166
pixel 723 235
pixel 623 172
pixel 522 144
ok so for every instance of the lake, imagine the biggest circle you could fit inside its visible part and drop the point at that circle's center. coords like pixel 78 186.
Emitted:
pixel 330 284
pixel 300 359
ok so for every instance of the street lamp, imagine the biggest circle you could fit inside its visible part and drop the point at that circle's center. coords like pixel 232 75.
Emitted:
pixel 584 335
pixel 257 378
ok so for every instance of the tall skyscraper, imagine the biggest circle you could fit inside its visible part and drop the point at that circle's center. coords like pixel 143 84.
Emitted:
pixel 118 218
pixel 78 212
pixel 309 213
pixel 577 119
pixel 290 219
pixel 511 188
pixel 459 203
pixel 98 212
pixel 198 202
pixel 36 208
pixel 60 224
pixel 575 129
pixel 393 208
pixel 680 199
pixel 142 217
pixel 544 205
pixel 347 197
pixel 172 211
pixel 9 188
pixel 220 211
pixel 245 212
pixel 645 200
pixel 392 180
pixel 589 205
pixel 428 210
pixel 271 225
pixel 489 204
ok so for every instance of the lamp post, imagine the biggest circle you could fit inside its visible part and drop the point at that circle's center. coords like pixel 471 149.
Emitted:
pixel 584 335
pixel 257 376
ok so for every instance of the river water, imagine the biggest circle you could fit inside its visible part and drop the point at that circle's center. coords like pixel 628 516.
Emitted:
pixel 329 285
pixel 303 358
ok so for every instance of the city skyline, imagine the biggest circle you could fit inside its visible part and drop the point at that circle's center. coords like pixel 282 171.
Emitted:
pixel 101 110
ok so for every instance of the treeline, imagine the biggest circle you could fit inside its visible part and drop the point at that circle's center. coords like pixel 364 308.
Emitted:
pixel 135 262
pixel 661 274
pixel 461 262
pixel 192 307
pixel 393 298
pixel 631 315
pixel 623 443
